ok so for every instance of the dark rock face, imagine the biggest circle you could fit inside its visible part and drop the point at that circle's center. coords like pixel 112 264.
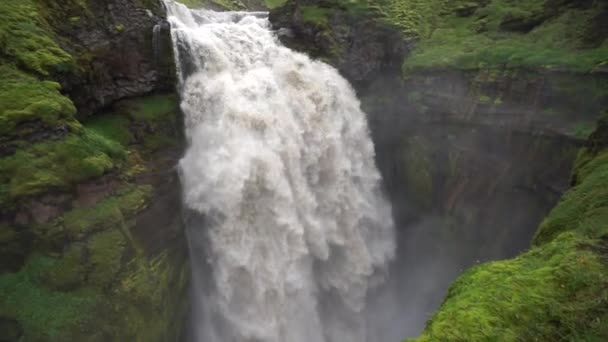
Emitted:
pixel 358 45
pixel 481 136
pixel 119 51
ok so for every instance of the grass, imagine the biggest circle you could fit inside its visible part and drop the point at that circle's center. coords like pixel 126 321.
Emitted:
pixel 557 291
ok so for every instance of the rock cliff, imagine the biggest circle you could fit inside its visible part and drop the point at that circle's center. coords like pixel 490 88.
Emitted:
pixel 91 241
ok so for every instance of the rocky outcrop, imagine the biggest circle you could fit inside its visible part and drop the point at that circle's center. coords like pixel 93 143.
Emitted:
pixel 357 44
pixel 123 49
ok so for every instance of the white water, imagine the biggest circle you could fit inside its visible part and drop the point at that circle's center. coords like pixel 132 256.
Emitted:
pixel 280 167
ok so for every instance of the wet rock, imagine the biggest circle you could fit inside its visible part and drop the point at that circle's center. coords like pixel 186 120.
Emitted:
pixel 41 212
pixel 115 48
pixel 90 193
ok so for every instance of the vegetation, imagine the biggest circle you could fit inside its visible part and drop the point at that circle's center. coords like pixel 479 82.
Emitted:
pixel 56 164
pixel 26 39
pixel 558 290
pixel 70 278
pixel 24 98
pixel 113 211
pixel 316 15
pixel 270 4
pixel 44 314
pixel 501 33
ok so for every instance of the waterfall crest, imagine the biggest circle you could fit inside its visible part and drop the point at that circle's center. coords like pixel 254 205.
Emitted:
pixel 280 167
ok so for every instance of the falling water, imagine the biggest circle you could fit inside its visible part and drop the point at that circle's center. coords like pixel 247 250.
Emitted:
pixel 292 230
pixel 156 42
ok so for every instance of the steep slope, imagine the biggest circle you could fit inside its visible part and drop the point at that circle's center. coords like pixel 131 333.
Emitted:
pixel 91 246
pixel 555 291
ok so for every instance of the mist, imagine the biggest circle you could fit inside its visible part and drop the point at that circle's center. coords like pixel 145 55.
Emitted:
pixel 487 185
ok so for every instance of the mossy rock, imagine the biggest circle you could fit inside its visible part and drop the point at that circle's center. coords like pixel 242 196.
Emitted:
pixel 556 291
pixel 24 98
pixel 69 272
pixel 44 314
pixel 27 39
pixel 57 164
pixel 105 256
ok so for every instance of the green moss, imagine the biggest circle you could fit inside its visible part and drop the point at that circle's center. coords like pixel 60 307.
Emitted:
pixel 416 18
pixel 68 272
pixel 44 315
pixel 55 12
pixel 105 254
pixel 110 213
pixel 162 285
pixel 583 130
pixel 447 40
pixel 155 142
pixel 316 15
pixel 24 98
pixel 26 38
pixel 558 291
pixel 151 108
pixel 585 207
pixel 57 164
pixel 270 4
pixel 111 126
pixel 554 293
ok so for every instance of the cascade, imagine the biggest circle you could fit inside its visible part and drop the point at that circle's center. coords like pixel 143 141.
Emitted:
pixel 290 231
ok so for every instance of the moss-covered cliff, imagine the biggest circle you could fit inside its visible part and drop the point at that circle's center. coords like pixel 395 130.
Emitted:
pixel 556 291
pixel 91 244
pixel 478 124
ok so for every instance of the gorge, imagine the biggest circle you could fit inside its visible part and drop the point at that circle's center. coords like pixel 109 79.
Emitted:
pixel 325 171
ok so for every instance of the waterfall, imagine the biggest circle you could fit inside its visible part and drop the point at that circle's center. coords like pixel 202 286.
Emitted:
pixel 156 42
pixel 291 231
